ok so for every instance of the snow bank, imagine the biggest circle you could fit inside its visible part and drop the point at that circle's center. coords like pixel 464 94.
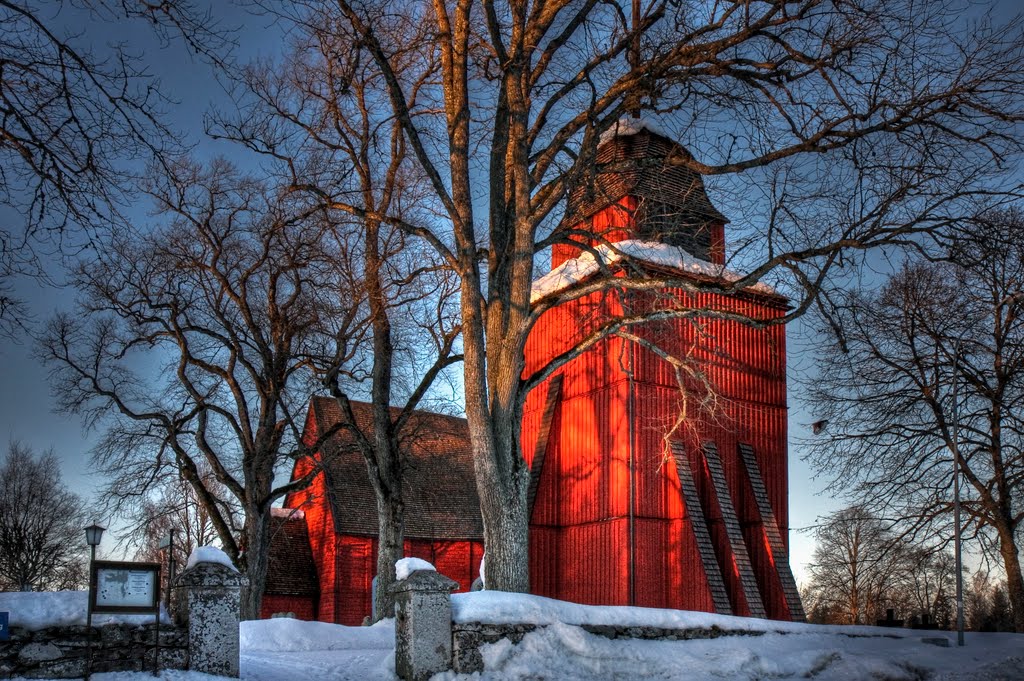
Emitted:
pixel 500 607
pixel 289 513
pixel 283 634
pixel 407 566
pixel 561 649
pixel 569 653
pixel 208 554
pixel 41 609
pixel 627 126
pixel 578 269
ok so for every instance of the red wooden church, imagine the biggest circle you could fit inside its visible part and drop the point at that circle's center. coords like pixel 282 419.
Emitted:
pixel 653 483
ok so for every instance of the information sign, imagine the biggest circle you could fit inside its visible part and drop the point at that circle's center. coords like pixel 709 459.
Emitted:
pixel 125 587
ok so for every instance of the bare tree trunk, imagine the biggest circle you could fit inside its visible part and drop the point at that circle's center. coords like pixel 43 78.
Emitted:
pixel 1014 579
pixel 391 531
pixel 506 537
pixel 256 557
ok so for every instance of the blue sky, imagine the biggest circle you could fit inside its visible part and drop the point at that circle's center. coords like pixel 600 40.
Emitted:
pixel 25 399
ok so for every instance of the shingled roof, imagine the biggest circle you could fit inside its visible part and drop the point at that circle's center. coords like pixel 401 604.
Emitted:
pixel 640 163
pixel 292 571
pixel 440 487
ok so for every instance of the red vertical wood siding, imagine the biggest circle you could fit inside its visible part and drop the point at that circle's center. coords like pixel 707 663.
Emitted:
pixel 304 607
pixel 313 501
pixel 346 564
pixel 579 526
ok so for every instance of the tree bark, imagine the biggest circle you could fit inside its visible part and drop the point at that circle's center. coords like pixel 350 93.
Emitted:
pixel 1014 579
pixel 256 561
pixel 391 533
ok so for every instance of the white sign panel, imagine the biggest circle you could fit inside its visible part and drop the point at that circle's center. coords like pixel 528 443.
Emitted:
pixel 125 588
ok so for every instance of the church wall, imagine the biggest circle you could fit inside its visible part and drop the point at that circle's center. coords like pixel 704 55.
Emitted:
pixel 579 525
pixel 303 607
pixel 314 503
pixel 357 565
pixel 669 573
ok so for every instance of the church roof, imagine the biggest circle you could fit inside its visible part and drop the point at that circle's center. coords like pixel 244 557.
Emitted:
pixel 631 161
pixel 441 501
pixel 292 571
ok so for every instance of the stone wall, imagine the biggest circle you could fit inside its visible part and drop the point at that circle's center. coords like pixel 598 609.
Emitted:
pixel 61 652
pixel 467 637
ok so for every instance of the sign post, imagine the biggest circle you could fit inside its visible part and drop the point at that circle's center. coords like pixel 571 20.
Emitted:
pixel 167 542
pixel 121 587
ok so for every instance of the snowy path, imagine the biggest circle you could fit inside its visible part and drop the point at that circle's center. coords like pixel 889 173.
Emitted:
pixel 336 665
pixel 293 650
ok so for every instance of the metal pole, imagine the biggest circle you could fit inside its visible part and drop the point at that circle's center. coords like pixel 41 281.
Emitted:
pixel 156 630
pixel 170 570
pixel 88 610
pixel 956 500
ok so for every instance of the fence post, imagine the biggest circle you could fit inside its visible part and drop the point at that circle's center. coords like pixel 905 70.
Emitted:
pixel 211 605
pixel 423 625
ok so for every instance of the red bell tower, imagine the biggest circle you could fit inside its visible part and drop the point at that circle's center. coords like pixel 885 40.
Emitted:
pixel 653 483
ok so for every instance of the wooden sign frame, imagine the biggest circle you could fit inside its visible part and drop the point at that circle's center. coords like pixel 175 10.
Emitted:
pixel 153 606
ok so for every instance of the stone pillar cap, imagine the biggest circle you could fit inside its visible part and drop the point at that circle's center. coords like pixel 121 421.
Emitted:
pixel 211 574
pixel 425 580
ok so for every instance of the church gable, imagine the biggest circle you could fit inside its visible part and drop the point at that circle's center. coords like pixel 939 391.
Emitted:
pixel 441 501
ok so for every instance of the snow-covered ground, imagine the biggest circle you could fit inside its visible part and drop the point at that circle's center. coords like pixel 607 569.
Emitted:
pixel 292 650
pixel 38 609
pixel 283 650
pixel 568 653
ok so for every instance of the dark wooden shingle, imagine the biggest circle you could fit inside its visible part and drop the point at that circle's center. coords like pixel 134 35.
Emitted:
pixel 439 483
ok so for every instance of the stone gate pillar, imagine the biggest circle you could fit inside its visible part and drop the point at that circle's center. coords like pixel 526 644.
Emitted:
pixel 423 625
pixel 209 599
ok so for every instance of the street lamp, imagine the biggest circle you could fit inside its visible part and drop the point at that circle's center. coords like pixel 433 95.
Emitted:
pixel 93 535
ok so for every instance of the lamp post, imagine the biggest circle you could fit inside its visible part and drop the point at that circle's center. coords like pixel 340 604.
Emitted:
pixel 956 498
pixel 93 535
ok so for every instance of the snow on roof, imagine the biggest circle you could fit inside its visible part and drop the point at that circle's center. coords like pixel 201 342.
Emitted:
pixel 289 513
pixel 578 269
pixel 209 554
pixel 627 125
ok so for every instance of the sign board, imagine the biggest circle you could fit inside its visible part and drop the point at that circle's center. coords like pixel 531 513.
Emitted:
pixel 125 587
pixel 4 628
pixel 166 540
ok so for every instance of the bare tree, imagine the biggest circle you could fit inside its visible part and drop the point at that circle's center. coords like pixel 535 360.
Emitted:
pixel 42 545
pixel 987 604
pixel 176 507
pixel 865 122
pixel 931 364
pixel 77 118
pixel 321 118
pixel 856 571
pixel 227 295
pixel 861 568
pixel 930 584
